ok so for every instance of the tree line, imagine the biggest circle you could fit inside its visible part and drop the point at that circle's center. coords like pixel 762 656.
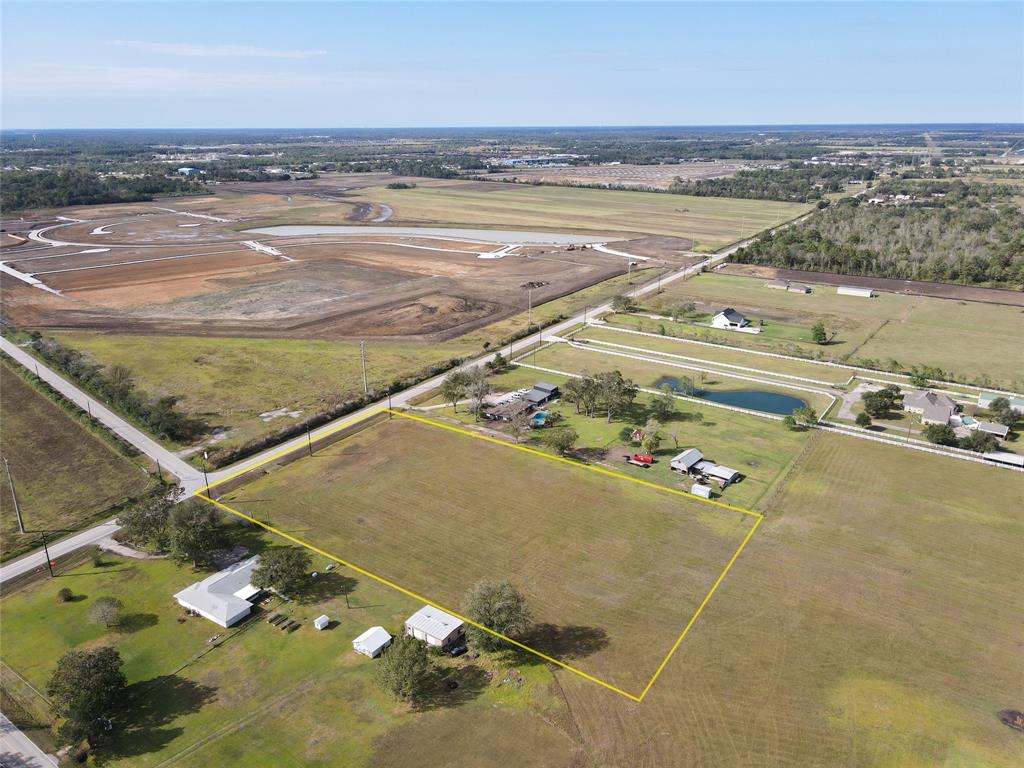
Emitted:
pixel 797 182
pixel 77 186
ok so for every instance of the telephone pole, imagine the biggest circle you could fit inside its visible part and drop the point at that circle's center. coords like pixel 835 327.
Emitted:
pixel 362 359
pixel 17 509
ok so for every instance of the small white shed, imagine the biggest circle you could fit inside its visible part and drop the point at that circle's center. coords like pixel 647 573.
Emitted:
pixel 372 642
pixel 704 491
pixel 855 290
pixel 321 622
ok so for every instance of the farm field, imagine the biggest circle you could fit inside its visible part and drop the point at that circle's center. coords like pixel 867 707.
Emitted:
pixel 435 512
pixel 266 697
pixel 653 374
pixel 874 620
pixel 971 341
pixel 65 477
pixel 713 222
pixel 229 381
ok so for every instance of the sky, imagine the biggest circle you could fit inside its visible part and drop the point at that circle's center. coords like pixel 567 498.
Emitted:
pixel 424 64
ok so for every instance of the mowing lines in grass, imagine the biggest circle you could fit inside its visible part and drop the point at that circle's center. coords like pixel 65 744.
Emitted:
pixel 599 470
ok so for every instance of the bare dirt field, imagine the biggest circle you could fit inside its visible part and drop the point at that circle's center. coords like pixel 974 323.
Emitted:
pixel 635 176
pixel 183 266
pixel 910 287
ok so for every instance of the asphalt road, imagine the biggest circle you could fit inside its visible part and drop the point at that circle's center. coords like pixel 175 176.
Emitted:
pixel 18 751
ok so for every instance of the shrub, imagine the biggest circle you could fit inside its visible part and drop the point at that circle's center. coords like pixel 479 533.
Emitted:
pixel 65 595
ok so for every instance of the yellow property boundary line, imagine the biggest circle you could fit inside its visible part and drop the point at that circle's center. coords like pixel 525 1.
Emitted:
pixel 201 493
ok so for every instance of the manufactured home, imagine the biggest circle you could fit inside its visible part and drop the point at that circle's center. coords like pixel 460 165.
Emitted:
pixel 435 627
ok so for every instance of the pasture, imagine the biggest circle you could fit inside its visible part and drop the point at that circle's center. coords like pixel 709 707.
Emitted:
pixel 972 342
pixel 264 697
pixel 712 222
pixel 874 620
pixel 65 476
pixel 600 560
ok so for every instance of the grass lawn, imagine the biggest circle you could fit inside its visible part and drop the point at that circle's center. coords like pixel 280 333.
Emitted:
pixel 599 559
pixel 972 342
pixel 873 621
pixel 229 382
pixel 264 697
pixel 562 357
pixel 716 356
pixel 713 222
pixel 65 476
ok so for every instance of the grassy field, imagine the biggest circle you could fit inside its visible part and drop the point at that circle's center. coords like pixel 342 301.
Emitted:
pixel 65 477
pixel 874 621
pixel 562 357
pixel 716 356
pixel 712 221
pixel 229 382
pixel 600 560
pixel 266 698
pixel 975 343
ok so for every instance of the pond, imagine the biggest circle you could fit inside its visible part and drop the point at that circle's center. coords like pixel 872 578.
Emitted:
pixel 752 399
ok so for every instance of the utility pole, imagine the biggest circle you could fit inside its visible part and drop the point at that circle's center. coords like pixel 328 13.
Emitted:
pixel 529 307
pixel 17 509
pixel 362 359
pixel 585 308
pixel 206 478
pixel 46 552
pixel 309 441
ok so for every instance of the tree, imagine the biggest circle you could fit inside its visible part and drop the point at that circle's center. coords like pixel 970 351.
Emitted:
pixel 192 533
pixel 145 524
pixel 1007 417
pixel 805 415
pixel 663 406
pixel 877 404
pixel 479 387
pixel 572 392
pixel 981 442
pixel 652 437
pixel 560 439
pixel 405 668
pixel 498 364
pixel 497 606
pixel 789 421
pixel 622 303
pixel 106 611
pixel 453 388
pixel 998 404
pixel 818 333
pixel 84 690
pixel 518 425
pixel 919 379
pixel 615 391
pixel 940 434
pixel 284 569
pixel 863 420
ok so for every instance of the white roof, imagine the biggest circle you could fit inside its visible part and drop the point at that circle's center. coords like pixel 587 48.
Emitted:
pixel 373 639
pixel 433 622
pixel 716 470
pixel 224 595
pixel 687 458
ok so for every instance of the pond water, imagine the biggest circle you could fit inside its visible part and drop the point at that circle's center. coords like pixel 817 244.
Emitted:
pixel 752 399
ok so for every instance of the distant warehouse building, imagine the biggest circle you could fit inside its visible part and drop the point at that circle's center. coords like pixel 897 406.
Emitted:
pixel 853 290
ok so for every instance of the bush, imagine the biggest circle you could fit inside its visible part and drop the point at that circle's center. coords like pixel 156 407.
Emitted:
pixel 65 595
pixel 405 668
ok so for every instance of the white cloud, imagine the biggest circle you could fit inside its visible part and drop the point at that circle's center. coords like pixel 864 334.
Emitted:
pixel 193 50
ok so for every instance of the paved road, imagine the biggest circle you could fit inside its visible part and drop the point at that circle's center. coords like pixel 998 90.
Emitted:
pixel 191 479
pixel 18 751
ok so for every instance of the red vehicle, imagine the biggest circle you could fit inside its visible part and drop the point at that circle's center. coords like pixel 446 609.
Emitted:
pixel 643 458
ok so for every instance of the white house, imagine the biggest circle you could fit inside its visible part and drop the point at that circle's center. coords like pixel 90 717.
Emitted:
pixel 933 408
pixel 854 290
pixel 223 598
pixel 435 627
pixel 372 642
pixel 729 318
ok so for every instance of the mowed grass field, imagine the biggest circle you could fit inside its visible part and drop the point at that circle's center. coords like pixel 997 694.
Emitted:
pixel 264 697
pixel 873 621
pixel 601 560
pixel 65 477
pixel 229 381
pixel 973 342
pixel 713 222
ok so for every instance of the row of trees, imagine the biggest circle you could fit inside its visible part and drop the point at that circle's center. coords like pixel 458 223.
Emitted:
pixel 608 393
pixel 77 186
pixel 796 182
pixel 188 531
pixel 959 241
pixel 115 385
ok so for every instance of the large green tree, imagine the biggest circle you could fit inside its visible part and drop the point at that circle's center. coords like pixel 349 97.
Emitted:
pixel 404 670
pixel 84 690
pixel 284 569
pixel 499 607
pixel 192 533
